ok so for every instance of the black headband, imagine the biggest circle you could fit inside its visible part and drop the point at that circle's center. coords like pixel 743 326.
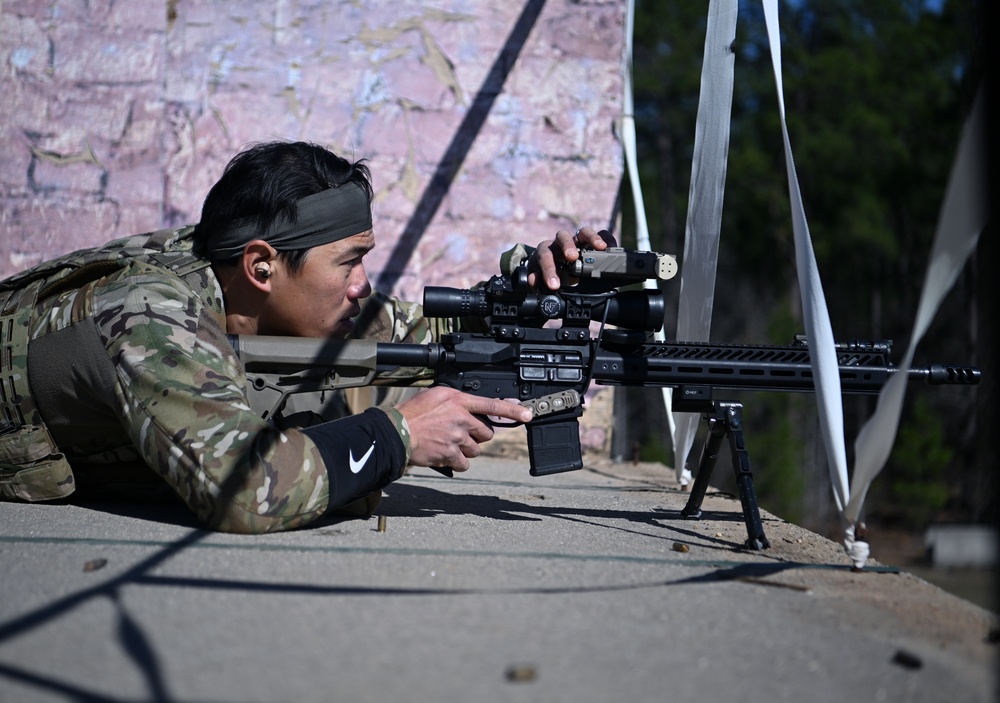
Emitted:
pixel 324 217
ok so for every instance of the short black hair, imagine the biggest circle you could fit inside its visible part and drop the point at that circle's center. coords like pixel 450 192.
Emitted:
pixel 265 180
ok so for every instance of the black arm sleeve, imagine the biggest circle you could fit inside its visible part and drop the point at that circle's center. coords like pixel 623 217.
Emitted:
pixel 362 453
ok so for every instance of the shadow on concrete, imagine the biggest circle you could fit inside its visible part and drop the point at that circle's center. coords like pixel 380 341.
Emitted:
pixel 156 504
pixel 408 500
pixel 139 646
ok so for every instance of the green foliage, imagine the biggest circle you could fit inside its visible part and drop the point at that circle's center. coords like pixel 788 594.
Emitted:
pixel 783 325
pixel 656 449
pixel 774 440
pixel 876 94
pixel 775 433
pixel 918 468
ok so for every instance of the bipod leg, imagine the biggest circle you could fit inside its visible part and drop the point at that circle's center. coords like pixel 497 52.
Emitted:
pixel 733 413
pixel 706 464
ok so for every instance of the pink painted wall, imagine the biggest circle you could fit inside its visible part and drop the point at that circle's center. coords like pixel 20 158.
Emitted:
pixel 117 117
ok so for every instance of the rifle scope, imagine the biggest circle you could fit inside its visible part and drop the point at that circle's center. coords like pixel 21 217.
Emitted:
pixel 631 309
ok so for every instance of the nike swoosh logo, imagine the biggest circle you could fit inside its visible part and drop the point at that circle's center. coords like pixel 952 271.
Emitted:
pixel 358 464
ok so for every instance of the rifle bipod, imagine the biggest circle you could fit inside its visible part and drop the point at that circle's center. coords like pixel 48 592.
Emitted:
pixel 725 421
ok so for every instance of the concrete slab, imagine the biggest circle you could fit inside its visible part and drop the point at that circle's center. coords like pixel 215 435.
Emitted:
pixel 493 586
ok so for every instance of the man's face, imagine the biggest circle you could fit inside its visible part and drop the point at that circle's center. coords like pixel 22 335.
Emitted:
pixel 319 299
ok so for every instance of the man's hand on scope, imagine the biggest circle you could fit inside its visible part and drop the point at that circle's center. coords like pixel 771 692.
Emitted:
pixel 543 264
pixel 447 426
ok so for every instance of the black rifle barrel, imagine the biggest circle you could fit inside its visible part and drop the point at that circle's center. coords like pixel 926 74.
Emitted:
pixel 736 367
pixel 793 374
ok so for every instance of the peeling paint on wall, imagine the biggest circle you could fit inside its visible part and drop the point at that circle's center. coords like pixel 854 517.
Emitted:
pixel 136 107
pixel 118 117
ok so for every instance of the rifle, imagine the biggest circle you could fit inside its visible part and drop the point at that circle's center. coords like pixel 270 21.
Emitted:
pixel 540 349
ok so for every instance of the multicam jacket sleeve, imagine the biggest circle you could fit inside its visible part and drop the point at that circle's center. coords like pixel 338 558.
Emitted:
pixel 181 396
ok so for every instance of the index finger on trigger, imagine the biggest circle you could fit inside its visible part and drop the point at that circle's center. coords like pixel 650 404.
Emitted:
pixel 494 407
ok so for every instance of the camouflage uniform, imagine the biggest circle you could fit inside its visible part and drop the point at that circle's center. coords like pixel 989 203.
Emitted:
pixel 130 366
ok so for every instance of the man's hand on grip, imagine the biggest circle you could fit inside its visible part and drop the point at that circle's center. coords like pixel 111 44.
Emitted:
pixel 447 426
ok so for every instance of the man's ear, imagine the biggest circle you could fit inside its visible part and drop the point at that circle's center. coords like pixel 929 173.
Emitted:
pixel 257 265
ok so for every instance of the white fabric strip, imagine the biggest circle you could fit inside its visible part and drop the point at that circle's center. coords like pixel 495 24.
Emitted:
pixel 704 216
pixel 819 332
